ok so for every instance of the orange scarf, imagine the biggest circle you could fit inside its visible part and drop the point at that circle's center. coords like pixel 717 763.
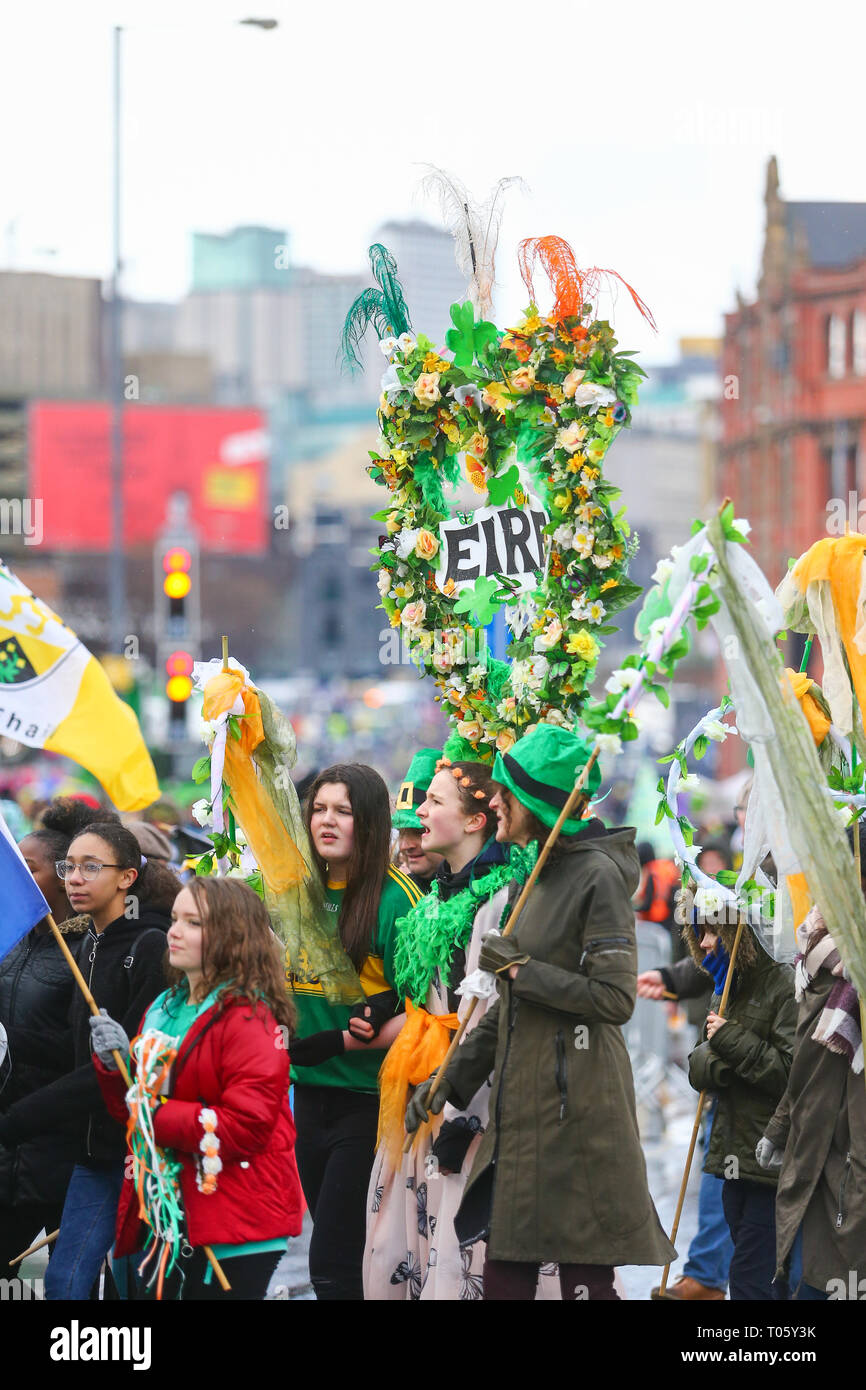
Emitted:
pixel 418 1049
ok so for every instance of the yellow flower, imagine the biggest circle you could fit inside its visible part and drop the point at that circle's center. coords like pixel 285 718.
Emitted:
pixel 562 500
pixel 609 584
pixel 391 526
pixel 495 396
pixel 433 363
pixel 582 644
pixel 595 452
pixel 505 741
pixel 427 388
pixel 400 456
pixel 522 380
pixel 555 393
pixel 575 463
pixel 478 444
pixel 531 323
pixel 426 545
pixel 395 618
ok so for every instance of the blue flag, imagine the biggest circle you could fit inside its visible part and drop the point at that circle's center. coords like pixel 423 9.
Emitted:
pixel 22 902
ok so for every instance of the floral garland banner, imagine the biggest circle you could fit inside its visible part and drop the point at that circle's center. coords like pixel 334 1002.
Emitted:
pixel 518 424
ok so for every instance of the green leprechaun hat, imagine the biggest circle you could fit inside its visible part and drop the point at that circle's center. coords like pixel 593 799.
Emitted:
pixel 541 771
pixel 413 789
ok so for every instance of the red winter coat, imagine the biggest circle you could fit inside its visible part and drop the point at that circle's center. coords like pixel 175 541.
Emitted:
pixel 230 1061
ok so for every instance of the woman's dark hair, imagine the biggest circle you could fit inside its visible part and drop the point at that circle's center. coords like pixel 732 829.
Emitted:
pixel 239 949
pixel 371 853
pixel 63 819
pixel 156 886
pixel 475 786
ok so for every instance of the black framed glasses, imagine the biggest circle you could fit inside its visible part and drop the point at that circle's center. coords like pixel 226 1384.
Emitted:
pixel 91 868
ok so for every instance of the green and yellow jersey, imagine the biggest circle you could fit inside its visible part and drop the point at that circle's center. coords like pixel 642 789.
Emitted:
pixel 355 1071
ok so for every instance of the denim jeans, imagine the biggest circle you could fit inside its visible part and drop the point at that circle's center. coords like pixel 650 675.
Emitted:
pixel 711 1249
pixel 86 1230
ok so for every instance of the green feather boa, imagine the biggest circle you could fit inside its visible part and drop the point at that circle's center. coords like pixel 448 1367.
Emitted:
pixel 428 936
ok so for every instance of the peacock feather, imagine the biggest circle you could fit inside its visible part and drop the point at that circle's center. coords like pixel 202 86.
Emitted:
pixel 385 308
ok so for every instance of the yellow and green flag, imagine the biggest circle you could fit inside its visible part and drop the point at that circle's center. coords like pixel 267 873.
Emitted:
pixel 55 695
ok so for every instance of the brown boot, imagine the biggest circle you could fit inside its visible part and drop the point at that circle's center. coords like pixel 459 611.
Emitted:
pixel 689 1289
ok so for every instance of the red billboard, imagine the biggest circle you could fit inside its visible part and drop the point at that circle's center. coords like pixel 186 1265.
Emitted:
pixel 218 457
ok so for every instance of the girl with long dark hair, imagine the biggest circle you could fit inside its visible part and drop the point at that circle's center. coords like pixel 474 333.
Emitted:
pixel 121 957
pixel 224 1113
pixel 36 989
pixel 339 1050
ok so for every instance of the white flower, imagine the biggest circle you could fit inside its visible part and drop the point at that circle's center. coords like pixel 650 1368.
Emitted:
pixel 404 541
pixel 477 674
pixel 584 540
pixel 690 783
pixel 593 394
pixel 709 902
pixel 622 679
pixel 551 635
pixel 742 525
pixel 714 729
pixel 555 716
pixel 587 480
pixel 383 582
pixel 462 394
pixel 571 438
pixel 602 562
pixel 406 343
pixel 201 812
pixel 571 382
pixel 391 385
pixel 413 614
pixel 663 571
pixel 564 537
pixel 538 668
pixel 843 814
pixel 596 611
pixel 657 628
pixel 608 743
pixel 387 346
pixel 207 731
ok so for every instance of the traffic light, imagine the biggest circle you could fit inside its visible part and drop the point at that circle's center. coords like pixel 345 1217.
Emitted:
pixel 177 564
pixel 178 688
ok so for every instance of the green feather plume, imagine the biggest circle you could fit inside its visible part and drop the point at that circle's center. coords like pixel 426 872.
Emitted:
pixel 385 308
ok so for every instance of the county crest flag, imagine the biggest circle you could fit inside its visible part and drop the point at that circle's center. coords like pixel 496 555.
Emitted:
pixel 23 903
pixel 55 695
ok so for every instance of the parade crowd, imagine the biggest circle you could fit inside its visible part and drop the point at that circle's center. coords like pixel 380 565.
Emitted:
pixel 513 1172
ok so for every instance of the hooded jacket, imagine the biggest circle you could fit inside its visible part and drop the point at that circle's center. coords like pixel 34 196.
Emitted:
pixel 36 989
pixel 124 969
pixel 560 1174
pixel 747 1060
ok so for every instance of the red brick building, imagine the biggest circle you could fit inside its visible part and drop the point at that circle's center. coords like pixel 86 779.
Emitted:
pixel 793 414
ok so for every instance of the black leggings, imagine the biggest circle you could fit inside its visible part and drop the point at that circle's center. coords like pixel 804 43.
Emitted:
pixel 514 1280
pixel 335 1148
pixel 249 1276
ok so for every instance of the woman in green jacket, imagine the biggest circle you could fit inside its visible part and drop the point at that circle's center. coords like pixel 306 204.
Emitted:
pixel 559 1175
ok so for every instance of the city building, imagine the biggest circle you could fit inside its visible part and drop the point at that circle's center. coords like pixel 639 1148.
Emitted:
pixel 428 273
pixel 793 409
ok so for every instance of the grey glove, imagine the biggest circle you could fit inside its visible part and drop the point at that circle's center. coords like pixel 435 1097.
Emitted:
pixel 419 1107
pixel 767 1154
pixel 106 1037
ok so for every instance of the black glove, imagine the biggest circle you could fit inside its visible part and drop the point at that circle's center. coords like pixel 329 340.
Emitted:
pixel 453 1140
pixel 317 1048
pixel 499 953
pixel 376 1010
pixel 420 1107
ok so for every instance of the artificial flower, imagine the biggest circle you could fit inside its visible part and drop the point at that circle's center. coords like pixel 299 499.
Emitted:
pixel 404 543
pixel 608 743
pixel 433 363
pixel 584 540
pixel 413 614
pixel 564 537
pixel 571 383
pixel 602 562
pixel 406 343
pixel 463 395
pixel 470 729
pixel 505 741
pixel 495 396
pixel 427 388
pixel 571 437
pixel 663 571
pixel 715 730
pixel 550 636
pixel 582 644
pixel 522 380
pixel 555 716
pixel 478 444
pixel 383 583
pixel 622 679
pixel 426 545
pixel 201 812
pixel 387 345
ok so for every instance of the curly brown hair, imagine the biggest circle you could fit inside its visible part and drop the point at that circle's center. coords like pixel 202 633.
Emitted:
pixel 241 956
pixel 475 787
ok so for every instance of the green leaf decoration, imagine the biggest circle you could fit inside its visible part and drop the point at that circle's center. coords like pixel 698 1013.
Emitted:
pixel 481 601
pixel 201 769
pixel 467 339
pixel 501 488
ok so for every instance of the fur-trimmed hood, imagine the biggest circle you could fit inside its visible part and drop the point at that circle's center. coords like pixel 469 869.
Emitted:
pixel 750 953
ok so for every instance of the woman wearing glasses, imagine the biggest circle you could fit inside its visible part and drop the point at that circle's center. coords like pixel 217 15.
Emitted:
pixel 128 902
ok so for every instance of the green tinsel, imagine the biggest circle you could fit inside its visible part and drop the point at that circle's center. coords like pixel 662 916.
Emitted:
pixel 428 936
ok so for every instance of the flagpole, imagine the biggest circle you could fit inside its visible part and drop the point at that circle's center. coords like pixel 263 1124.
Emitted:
pixel 121 1064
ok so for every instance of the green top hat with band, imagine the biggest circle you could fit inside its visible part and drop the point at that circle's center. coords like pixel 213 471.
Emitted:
pixel 413 789
pixel 541 770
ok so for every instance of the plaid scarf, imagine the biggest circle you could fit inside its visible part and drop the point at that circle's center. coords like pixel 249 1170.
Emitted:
pixel 838 1027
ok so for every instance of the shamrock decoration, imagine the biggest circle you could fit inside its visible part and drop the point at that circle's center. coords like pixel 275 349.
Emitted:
pixel 526 418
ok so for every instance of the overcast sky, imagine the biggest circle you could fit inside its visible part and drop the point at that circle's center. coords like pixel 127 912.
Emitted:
pixel 642 131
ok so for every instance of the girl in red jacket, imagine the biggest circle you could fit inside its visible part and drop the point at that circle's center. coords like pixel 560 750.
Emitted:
pixel 223 1114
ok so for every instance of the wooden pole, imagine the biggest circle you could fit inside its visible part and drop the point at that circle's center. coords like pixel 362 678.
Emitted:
pixel 46 1240
pixel 120 1062
pixel 701 1098
pixel 225 652
pixel 564 815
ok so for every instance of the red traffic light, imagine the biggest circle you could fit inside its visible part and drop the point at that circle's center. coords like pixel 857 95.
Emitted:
pixel 176 559
pixel 179 664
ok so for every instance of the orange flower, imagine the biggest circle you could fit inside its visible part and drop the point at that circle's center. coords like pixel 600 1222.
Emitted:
pixel 578 334
pixel 523 352
pixel 558 356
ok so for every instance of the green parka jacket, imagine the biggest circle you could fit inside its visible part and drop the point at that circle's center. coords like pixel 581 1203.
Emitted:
pixel 560 1173
pixel 747 1061
pixel 821 1125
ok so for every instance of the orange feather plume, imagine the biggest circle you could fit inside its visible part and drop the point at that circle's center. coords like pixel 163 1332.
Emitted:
pixel 571 287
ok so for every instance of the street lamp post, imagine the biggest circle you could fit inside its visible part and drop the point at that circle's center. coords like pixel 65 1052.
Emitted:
pixel 117 562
